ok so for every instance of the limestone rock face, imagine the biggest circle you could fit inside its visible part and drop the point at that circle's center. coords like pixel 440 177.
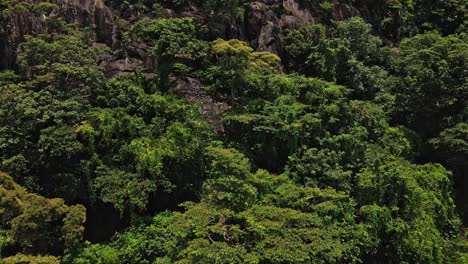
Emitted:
pixel 267 20
pixel 14 25
pixel 263 25
pixel 195 92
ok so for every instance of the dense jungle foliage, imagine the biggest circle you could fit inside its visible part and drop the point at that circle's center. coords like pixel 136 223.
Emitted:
pixel 347 145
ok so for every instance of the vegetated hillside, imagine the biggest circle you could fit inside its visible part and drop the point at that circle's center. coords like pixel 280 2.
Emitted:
pixel 233 131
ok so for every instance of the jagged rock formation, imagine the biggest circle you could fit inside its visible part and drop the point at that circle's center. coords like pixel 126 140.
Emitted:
pixel 194 91
pixel 265 21
pixel 32 17
pixel 268 20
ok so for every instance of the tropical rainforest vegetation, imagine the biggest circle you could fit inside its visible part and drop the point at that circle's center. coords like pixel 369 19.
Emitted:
pixel 347 144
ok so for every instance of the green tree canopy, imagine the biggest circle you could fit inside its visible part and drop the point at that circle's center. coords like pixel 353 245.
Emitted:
pixel 37 225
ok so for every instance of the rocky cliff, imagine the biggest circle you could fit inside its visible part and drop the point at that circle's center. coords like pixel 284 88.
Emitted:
pixel 268 19
pixel 32 17
pixel 263 24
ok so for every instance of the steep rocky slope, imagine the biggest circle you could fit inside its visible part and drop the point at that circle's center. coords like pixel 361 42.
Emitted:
pixel 34 17
pixel 264 22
